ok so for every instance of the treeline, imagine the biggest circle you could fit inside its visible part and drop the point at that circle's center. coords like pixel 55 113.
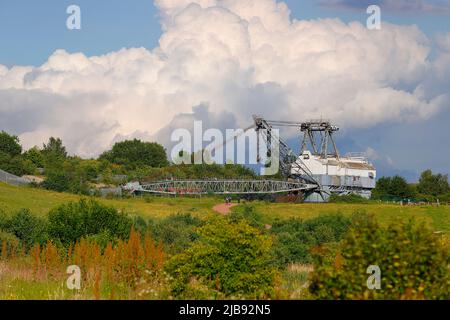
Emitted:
pixel 430 188
pixel 126 161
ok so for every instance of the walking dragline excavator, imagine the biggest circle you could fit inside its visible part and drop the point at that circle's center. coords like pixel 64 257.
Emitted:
pixel 327 170
pixel 316 173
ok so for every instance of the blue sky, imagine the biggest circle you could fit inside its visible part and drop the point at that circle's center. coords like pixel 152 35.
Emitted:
pixel 108 25
pixel 31 31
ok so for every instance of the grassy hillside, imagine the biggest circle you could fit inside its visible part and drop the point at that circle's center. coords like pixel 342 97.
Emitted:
pixel 437 217
pixel 41 201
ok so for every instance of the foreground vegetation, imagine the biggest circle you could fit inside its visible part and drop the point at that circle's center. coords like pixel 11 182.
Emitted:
pixel 163 249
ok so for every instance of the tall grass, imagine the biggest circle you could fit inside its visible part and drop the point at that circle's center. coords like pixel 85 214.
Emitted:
pixel 129 269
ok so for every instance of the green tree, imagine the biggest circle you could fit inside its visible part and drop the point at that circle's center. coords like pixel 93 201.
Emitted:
pixel 57 181
pixel 70 222
pixel 296 238
pixel 399 187
pixel 35 156
pixel 28 228
pixel 135 153
pixel 392 187
pixel 414 263
pixel 55 147
pixel 382 188
pixel 72 176
pixel 433 184
pixel 16 165
pixel 9 144
pixel 229 258
pixel 176 232
pixel 54 154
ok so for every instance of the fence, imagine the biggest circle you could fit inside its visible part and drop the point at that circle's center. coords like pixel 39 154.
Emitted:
pixel 11 179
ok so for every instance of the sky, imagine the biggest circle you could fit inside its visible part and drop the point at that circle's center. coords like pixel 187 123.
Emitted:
pixel 143 68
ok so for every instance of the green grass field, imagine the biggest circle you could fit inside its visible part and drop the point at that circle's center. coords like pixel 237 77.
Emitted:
pixel 437 217
pixel 41 201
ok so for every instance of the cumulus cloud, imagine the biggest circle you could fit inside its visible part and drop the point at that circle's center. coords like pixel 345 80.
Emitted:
pixel 234 58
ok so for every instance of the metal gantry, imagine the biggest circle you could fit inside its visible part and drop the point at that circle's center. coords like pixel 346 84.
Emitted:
pixel 222 187
pixel 301 181
pixel 288 160
pixel 325 130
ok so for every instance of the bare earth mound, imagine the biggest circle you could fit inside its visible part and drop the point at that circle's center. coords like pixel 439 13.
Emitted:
pixel 224 208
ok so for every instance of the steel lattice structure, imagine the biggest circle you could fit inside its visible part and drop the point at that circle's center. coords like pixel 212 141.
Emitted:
pixel 222 187
pixel 288 159
pixel 296 170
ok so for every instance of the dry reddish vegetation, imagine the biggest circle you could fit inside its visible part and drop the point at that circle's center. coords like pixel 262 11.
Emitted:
pixel 131 269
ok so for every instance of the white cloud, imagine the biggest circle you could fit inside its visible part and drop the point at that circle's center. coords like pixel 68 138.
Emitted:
pixel 239 57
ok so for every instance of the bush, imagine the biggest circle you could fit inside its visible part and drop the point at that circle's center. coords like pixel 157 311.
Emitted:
pixel 413 262
pixel 433 184
pixel 140 225
pixel 28 228
pixel 295 238
pixel 176 232
pixel 350 198
pixel 66 181
pixel 247 213
pixel 389 188
pixel 57 181
pixel 72 221
pixel 35 156
pixel 9 144
pixel 16 165
pixel 8 242
pixel 229 258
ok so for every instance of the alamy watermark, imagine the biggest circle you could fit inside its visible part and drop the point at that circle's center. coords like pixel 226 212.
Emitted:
pixel 236 146
pixel 74 280
pixel 374 280
pixel 374 20
pixel 73 22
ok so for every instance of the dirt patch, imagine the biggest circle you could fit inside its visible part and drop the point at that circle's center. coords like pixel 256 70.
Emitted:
pixel 224 208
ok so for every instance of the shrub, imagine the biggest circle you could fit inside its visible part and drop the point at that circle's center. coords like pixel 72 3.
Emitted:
pixel 140 225
pixel 295 238
pixel 57 181
pixel 176 232
pixel 66 180
pixel 350 198
pixel 247 213
pixel 413 262
pixel 4 220
pixel 70 222
pixel 392 188
pixel 433 184
pixel 35 156
pixel 230 258
pixel 9 144
pixel 16 165
pixel 27 227
pixel 8 242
